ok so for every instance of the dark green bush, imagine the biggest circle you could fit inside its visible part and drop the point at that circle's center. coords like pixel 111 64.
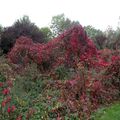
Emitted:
pixel 2 78
pixel 62 73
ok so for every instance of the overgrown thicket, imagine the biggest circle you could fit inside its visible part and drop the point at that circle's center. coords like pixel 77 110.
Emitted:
pixel 68 77
pixel 68 49
pixel 85 76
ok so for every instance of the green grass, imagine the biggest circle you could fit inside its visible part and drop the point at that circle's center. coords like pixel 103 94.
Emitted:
pixel 108 113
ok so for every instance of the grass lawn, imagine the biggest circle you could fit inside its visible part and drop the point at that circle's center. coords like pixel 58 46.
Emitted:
pixel 108 113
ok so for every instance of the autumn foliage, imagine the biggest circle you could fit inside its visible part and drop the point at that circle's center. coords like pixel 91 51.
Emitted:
pixel 69 48
pixel 96 72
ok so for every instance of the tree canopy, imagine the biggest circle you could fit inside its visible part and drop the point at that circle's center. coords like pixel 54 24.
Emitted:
pixel 60 23
pixel 22 27
pixel 47 33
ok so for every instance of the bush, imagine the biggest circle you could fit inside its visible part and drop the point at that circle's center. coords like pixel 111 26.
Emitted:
pixel 69 48
pixel 29 81
pixel 97 36
pixel 93 75
pixel 61 72
pixel 113 38
pixel 20 27
pixel 113 73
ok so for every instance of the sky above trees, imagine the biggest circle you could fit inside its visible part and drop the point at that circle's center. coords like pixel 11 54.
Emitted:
pixel 98 13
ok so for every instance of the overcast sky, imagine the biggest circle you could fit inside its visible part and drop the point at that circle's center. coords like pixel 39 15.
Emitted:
pixel 98 13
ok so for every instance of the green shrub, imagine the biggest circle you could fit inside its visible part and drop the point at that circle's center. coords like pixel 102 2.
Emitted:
pixel 61 72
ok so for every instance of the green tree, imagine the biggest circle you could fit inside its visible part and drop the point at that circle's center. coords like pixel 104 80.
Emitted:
pixel 47 33
pixel 92 32
pixel 60 23
pixel 1 29
pixel 113 38
pixel 96 35
pixel 117 42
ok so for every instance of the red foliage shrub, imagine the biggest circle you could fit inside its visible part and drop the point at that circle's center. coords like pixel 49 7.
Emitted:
pixel 20 49
pixel 113 72
pixel 88 90
pixel 97 73
pixel 69 48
